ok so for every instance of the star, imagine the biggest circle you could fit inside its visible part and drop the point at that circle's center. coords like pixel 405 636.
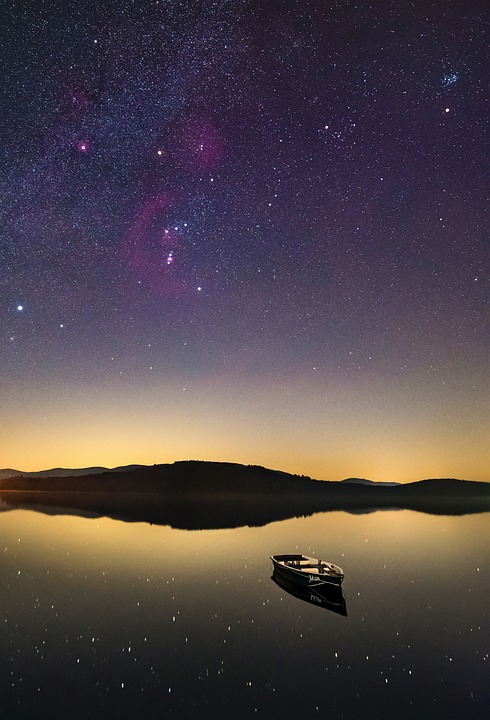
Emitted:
pixel 83 146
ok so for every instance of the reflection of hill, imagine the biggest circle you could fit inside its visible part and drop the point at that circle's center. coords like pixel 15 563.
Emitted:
pixel 210 495
pixel 192 513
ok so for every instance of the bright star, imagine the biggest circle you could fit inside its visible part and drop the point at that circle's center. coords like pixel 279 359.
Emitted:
pixel 20 308
pixel 83 146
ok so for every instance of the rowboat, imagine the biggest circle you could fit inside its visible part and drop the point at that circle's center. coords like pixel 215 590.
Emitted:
pixel 306 571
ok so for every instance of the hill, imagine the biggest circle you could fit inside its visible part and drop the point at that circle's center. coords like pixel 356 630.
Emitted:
pixel 179 478
pixel 193 477
pixel 363 481
pixel 64 472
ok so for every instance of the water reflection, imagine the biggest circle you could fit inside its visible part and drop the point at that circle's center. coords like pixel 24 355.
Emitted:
pixel 329 597
pixel 200 512
pixel 104 619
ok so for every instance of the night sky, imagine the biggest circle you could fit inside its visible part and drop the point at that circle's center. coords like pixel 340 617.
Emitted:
pixel 246 231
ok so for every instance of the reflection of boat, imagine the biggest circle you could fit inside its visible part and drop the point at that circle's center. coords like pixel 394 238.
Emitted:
pixel 329 597
pixel 307 571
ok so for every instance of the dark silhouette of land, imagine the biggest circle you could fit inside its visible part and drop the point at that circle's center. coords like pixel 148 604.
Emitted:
pixel 198 495
pixel 65 472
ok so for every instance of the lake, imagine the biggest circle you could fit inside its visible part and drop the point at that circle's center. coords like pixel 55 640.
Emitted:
pixel 105 619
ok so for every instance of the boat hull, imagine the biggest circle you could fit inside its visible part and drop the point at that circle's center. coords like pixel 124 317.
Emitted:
pixel 307 572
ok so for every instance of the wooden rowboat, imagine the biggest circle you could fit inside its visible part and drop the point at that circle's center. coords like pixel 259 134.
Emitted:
pixel 306 571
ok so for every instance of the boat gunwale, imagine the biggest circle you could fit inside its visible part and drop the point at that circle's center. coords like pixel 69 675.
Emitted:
pixel 325 570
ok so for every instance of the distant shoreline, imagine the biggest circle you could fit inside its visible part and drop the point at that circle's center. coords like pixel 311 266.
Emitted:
pixel 195 495
pixel 133 472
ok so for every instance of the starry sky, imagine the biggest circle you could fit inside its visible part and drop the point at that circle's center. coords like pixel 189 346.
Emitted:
pixel 246 231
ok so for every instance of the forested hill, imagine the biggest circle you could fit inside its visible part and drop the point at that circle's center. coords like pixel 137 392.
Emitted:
pixel 184 477
pixel 213 478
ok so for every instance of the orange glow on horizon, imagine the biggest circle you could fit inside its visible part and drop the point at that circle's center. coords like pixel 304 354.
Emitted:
pixel 327 432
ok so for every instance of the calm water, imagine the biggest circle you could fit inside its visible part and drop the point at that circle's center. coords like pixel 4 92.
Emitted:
pixel 106 619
